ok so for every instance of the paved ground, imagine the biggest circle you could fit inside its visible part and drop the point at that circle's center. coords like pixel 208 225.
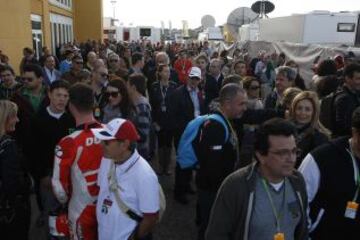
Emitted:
pixel 178 222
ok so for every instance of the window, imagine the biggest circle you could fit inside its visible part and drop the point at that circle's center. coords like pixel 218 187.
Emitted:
pixel 145 32
pixel 66 4
pixel 346 27
pixel 61 30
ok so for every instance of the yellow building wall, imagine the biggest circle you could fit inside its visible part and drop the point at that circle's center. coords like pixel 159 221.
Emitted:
pixel 15 25
pixel 88 20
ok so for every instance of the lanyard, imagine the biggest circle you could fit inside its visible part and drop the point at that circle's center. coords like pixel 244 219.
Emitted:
pixel 356 172
pixel 233 133
pixel 278 215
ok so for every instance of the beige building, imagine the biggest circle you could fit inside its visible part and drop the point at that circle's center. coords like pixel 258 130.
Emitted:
pixel 38 23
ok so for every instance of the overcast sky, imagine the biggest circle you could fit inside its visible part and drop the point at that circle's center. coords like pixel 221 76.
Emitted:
pixel 152 12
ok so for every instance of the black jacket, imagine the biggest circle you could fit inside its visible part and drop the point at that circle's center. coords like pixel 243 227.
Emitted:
pixel 182 109
pixel 336 188
pixel 47 132
pixel 345 104
pixel 13 178
pixel 308 139
pixel 156 100
pixel 212 88
pixel 216 156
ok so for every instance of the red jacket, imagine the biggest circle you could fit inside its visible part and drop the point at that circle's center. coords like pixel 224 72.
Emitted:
pixel 182 67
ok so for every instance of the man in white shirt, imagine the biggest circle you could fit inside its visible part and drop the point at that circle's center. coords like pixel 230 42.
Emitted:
pixel 50 73
pixel 127 177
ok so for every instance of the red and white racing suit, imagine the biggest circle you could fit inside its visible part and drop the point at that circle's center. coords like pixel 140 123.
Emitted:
pixel 76 166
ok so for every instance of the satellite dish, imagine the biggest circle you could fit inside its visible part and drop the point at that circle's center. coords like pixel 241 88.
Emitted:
pixel 238 17
pixel 207 21
pixel 262 7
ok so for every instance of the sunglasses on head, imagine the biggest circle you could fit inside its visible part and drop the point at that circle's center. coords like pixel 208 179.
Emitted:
pixel 28 79
pixel 112 94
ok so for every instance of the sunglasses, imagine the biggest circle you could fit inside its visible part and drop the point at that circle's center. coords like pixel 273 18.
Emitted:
pixel 112 94
pixel 254 87
pixel 104 75
pixel 195 78
pixel 28 79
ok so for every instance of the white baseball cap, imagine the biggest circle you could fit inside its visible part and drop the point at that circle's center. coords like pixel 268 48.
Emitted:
pixel 195 72
pixel 118 128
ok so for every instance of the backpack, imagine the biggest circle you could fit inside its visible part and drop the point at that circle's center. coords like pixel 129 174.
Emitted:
pixel 327 111
pixel 186 156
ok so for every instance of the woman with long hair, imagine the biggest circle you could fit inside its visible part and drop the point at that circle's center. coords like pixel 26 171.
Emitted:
pixel 159 96
pixel 304 113
pixel 14 184
pixel 119 104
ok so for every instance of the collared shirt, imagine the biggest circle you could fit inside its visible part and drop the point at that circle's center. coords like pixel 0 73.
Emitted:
pixel 35 100
pixel 138 188
pixel 50 74
pixel 194 95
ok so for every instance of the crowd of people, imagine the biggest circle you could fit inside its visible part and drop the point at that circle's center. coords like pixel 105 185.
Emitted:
pixel 276 156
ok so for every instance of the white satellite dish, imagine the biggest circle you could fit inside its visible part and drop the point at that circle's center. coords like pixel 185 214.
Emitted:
pixel 208 21
pixel 238 17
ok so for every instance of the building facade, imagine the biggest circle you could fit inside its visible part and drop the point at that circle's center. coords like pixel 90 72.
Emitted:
pixel 38 23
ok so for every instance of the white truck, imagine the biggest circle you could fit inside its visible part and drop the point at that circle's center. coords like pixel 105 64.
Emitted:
pixel 318 27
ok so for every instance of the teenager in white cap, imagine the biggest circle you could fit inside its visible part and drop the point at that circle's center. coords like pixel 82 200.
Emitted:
pixel 128 202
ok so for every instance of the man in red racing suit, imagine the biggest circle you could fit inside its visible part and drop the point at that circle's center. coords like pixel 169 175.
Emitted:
pixel 77 161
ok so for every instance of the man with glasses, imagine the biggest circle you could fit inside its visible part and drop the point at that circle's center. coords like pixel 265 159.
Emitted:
pixel 186 104
pixel 117 66
pixel 99 81
pixel 77 65
pixel 267 199
pixel 213 81
pixel 332 176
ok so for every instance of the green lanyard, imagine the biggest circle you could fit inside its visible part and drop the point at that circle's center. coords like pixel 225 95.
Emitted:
pixel 356 172
pixel 233 133
pixel 278 215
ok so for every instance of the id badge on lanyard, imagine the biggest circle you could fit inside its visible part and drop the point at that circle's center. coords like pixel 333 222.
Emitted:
pixel 353 206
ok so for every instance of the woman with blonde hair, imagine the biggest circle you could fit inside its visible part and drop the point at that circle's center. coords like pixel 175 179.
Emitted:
pixel 304 113
pixel 14 185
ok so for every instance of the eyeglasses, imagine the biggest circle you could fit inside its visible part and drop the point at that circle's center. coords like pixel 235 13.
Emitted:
pixel 254 87
pixel 112 94
pixel 79 63
pixel 286 152
pixel 29 79
pixel 104 75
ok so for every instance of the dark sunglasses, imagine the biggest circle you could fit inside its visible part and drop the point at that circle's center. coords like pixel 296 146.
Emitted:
pixel 195 78
pixel 112 94
pixel 29 79
pixel 254 87
pixel 104 75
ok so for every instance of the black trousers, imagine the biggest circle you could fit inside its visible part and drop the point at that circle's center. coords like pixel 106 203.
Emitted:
pixel 18 226
pixel 183 177
pixel 206 199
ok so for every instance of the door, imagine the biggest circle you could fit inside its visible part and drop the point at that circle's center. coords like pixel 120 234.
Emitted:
pixel 37 43
pixel 357 37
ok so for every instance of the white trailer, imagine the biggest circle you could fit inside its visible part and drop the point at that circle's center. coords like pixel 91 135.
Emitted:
pixel 322 27
pixel 138 33
pixel 249 32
